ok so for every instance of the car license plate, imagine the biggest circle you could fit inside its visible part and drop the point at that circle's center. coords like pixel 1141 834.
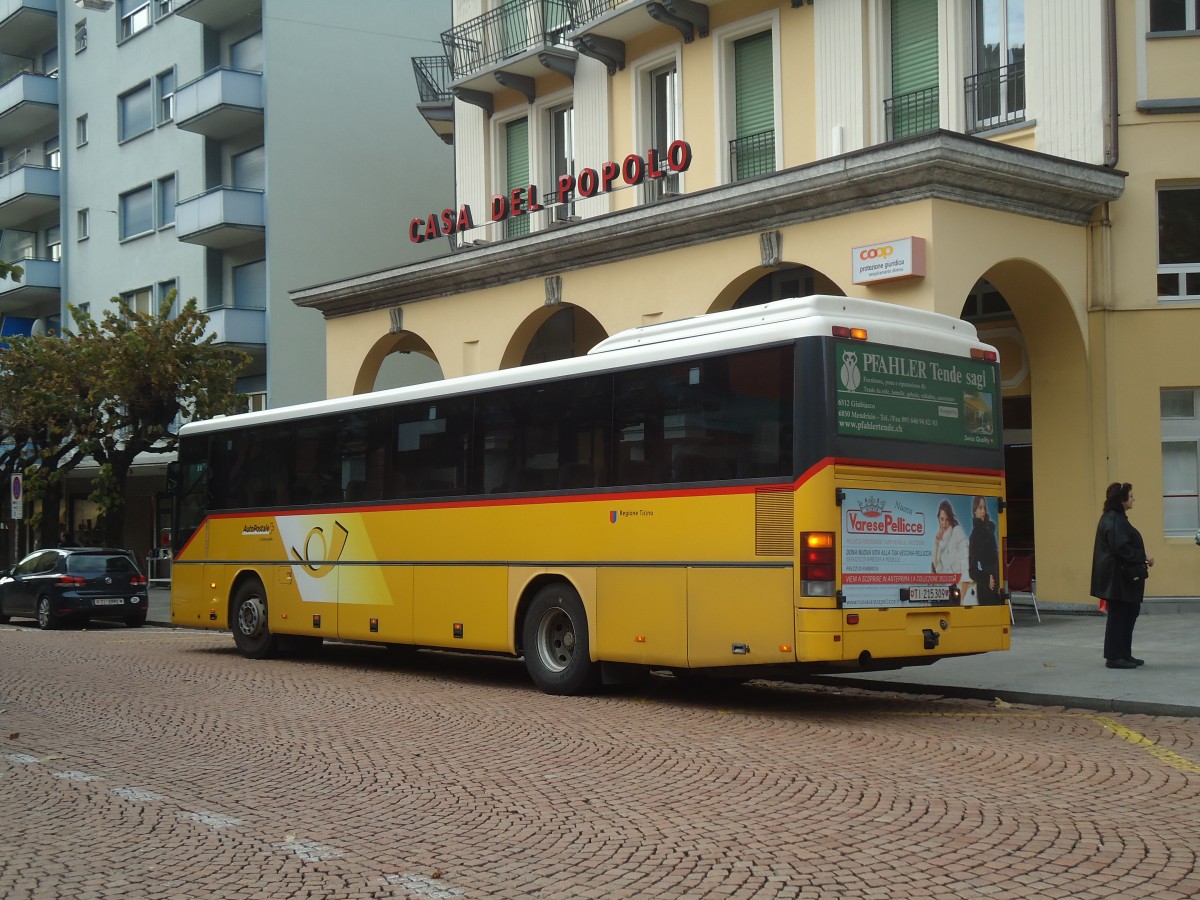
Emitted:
pixel 109 601
pixel 929 593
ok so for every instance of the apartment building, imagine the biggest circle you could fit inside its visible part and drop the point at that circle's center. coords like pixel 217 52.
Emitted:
pixel 232 150
pixel 1029 166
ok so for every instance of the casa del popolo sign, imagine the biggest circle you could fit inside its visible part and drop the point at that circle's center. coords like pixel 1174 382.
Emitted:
pixel 522 201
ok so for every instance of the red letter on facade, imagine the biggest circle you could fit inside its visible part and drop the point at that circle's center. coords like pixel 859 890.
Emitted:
pixel 589 183
pixel 499 207
pixel 634 169
pixel 566 184
pixel 679 156
pixel 414 231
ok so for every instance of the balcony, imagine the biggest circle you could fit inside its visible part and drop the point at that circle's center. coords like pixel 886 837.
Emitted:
pixel 220 103
pixel 28 102
pixel 26 26
pixel 509 47
pixel 218 14
pixel 603 27
pixel 38 292
pixel 222 218
pixel 995 98
pixel 752 155
pixel 26 191
pixel 437 100
pixel 234 325
pixel 913 113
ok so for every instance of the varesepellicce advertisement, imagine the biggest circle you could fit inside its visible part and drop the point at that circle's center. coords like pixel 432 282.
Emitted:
pixel 903 548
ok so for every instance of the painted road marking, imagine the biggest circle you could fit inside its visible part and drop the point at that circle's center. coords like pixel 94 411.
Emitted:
pixel 309 851
pixel 76 776
pixel 136 795
pixel 22 758
pixel 1174 760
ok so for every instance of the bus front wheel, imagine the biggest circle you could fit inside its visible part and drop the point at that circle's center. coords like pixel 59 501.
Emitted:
pixel 248 621
pixel 556 644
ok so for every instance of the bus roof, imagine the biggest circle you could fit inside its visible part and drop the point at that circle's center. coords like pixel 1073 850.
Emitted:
pixel 769 323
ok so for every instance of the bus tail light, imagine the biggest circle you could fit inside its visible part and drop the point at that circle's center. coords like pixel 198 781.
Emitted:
pixel 854 334
pixel 818 563
pixel 986 355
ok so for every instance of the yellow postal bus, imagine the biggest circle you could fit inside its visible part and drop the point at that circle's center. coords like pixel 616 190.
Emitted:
pixel 774 491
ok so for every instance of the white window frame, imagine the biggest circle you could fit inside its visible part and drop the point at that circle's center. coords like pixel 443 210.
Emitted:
pixel 81 36
pixel 723 39
pixel 498 177
pixel 1178 270
pixel 1182 430
pixel 139 297
pixel 83 221
pixel 164 100
pixel 161 212
pixel 81 130
pixel 643 127
pixel 540 169
pixel 121 235
pixel 135 21
pixel 1191 18
pixel 122 137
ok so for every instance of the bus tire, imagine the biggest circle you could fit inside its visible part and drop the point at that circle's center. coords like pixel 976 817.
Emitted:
pixel 248 621
pixel 556 643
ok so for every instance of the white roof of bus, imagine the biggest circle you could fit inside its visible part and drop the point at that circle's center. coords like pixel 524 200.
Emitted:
pixel 770 323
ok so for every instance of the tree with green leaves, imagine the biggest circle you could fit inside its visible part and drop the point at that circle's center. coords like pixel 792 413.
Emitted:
pixel 148 373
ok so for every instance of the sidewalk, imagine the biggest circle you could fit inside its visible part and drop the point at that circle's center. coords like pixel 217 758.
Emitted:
pixel 1057 662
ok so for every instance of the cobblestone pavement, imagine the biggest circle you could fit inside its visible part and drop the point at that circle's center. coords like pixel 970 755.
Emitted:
pixel 159 764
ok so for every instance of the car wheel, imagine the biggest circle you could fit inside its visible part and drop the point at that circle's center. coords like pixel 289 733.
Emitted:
pixel 248 621
pixel 556 644
pixel 45 620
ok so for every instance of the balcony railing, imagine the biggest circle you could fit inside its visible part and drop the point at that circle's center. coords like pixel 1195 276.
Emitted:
pixel 752 155
pixel 512 29
pixel 587 10
pixel 433 79
pixel 995 97
pixel 912 113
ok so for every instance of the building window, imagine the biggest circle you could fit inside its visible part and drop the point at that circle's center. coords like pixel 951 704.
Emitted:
pixel 164 85
pixel 250 170
pixel 250 285
pixel 50 62
pixel 81 130
pixel 995 94
pixel 137 212
pixel 516 173
pixel 82 224
pixel 52 153
pixel 136 112
pixel 81 35
pixel 139 301
pixel 1174 15
pixel 247 54
pixel 562 152
pixel 166 201
pixel 54 243
pixel 1179 409
pixel 162 8
pixel 135 17
pixel 913 106
pixel 163 290
pixel 752 150
pixel 663 94
pixel 1179 243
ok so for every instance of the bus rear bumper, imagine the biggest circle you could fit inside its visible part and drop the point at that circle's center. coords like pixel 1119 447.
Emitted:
pixel 873 637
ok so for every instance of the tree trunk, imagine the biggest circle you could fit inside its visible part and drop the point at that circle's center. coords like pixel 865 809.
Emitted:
pixel 49 529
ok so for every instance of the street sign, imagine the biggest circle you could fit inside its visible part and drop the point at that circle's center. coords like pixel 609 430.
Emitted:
pixel 18 497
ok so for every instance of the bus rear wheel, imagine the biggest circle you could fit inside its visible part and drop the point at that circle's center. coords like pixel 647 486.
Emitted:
pixel 248 621
pixel 556 643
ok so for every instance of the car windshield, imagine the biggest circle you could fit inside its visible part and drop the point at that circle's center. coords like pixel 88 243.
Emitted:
pixel 92 564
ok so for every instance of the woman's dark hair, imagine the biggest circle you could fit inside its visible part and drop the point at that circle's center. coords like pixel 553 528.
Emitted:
pixel 1116 495
pixel 975 504
pixel 949 510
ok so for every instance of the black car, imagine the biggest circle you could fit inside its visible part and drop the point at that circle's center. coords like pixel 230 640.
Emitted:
pixel 74 584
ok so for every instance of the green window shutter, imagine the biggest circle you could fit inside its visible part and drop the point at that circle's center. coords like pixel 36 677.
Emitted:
pixel 516 149
pixel 754 102
pixel 914 66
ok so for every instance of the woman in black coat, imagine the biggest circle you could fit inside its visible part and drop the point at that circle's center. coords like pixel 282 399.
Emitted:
pixel 984 554
pixel 1120 568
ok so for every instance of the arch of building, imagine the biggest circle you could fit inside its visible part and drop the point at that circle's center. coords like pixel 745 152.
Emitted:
pixel 565 330
pixel 402 342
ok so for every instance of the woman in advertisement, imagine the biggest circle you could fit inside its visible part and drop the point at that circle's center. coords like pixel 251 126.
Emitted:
pixel 950 555
pixel 984 554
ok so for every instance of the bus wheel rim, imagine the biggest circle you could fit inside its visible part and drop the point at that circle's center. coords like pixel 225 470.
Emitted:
pixel 556 640
pixel 252 615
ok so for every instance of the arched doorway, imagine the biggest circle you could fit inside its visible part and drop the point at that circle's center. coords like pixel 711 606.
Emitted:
pixel 397 360
pixel 555 332
pixel 783 283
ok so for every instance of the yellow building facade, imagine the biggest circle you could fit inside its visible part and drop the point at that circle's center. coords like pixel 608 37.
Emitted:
pixel 1029 166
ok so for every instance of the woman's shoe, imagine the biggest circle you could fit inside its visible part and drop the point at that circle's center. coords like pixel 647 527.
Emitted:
pixel 1120 664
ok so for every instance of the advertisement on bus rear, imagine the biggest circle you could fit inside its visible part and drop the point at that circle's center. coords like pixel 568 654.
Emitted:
pixel 908 395
pixel 902 548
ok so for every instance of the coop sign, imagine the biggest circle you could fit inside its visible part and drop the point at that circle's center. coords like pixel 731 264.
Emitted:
pixel 635 169
pixel 889 261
